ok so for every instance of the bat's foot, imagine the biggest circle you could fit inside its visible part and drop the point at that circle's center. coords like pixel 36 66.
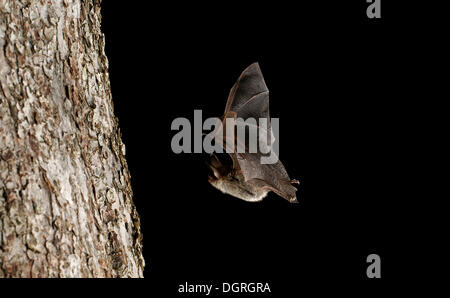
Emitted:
pixel 294 181
pixel 293 200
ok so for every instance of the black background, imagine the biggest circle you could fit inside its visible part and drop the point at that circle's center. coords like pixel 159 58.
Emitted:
pixel 340 84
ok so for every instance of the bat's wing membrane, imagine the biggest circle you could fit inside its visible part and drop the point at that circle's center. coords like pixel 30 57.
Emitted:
pixel 249 96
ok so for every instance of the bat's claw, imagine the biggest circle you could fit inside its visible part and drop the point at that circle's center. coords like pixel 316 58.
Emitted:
pixel 294 181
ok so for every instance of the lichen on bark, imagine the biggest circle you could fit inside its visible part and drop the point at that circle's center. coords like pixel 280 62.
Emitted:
pixel 66 207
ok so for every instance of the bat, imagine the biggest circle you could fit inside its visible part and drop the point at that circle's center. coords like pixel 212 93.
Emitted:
pixel 242 175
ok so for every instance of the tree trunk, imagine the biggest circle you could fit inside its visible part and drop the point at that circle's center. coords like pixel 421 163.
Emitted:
pixel 66 206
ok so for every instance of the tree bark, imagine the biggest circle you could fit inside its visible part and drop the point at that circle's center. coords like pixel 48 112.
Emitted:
pixel 66 206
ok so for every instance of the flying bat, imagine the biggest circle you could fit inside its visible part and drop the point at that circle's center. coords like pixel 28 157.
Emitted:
pixel 242 175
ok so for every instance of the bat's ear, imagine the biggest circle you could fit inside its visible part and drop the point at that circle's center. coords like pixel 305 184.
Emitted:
pixel 214 161
pixel 215 169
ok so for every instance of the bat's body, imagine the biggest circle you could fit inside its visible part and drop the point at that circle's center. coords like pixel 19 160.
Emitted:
pixel 245 177
pixel 232 182
pixel 238 188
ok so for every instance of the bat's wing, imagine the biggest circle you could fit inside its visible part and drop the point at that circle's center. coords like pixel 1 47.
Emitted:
pixel 249 98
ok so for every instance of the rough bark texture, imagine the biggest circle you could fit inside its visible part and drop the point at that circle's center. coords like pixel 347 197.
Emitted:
pixel 66 206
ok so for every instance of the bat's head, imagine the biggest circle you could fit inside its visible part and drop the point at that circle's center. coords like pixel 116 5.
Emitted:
pixel 232 182
pixel 219 167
